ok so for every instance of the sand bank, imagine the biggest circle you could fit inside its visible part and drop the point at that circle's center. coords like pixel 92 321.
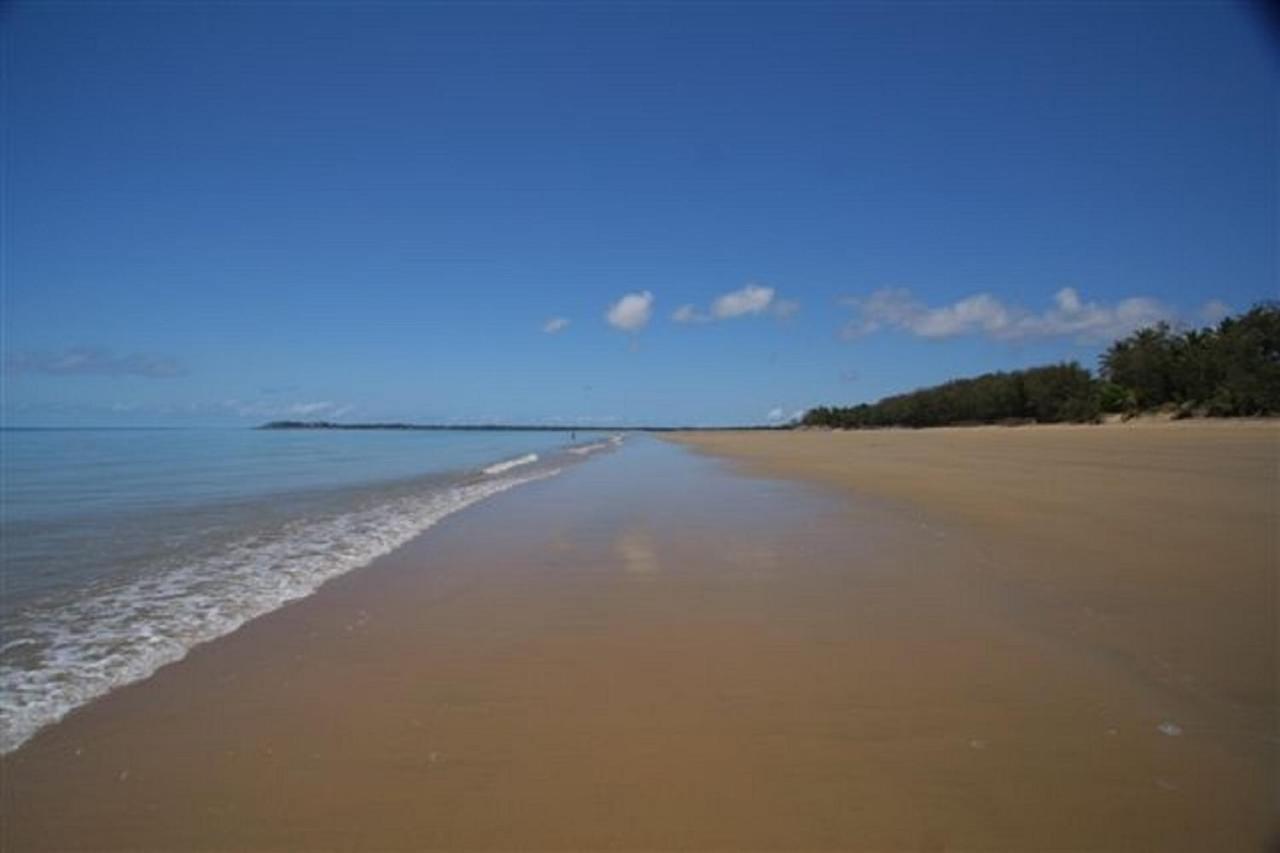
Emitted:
pixel 652 652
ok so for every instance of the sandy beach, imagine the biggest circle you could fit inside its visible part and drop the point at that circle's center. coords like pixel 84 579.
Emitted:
pixel 728 425
pixel 955 639
pixel 1150 549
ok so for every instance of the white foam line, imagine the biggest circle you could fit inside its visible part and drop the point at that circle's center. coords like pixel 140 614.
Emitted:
pixel 508 464
pixel 124 632
pixel 584 449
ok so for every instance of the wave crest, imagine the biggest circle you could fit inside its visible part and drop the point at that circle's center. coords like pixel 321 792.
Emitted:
pixel 508 464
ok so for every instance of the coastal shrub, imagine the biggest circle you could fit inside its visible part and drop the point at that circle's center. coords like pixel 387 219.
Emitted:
pixel 1116 399
pixel 1229 370
pixel 1058 392
pixel 1144 364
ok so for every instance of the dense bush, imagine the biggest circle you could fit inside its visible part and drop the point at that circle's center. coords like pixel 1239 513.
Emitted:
pixel 1233 369
pixel 1059 392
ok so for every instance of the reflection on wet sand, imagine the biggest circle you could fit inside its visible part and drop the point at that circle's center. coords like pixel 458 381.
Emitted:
pixel 830 679
pixel 635 551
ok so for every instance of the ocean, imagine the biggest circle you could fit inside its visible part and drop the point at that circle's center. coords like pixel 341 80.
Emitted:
pixel 121 549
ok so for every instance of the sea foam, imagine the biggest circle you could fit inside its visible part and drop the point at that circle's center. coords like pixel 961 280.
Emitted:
pixel 123 631
pixel 584 449
pixel 508 464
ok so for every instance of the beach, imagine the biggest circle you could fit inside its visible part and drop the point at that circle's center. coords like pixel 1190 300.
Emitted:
pixel 950 639
pixel 1149 549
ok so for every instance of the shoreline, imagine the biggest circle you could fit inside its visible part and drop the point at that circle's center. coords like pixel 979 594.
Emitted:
pixel 653 651
pixel 76 643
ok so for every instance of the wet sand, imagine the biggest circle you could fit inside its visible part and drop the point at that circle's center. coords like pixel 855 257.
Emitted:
pixel 652 651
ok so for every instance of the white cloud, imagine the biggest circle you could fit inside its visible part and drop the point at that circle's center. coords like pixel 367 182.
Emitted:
pixel 1091 321
pixel 312 409
pixel 779 415
pixel 689 314
pixel 555 325
pixel 984 314
pixel 981 313
pixel 889 306
pixel 785 307
pixel 268 409
pixel 631 313
pixel 1214 310
pixel 91 361
pixel 752 299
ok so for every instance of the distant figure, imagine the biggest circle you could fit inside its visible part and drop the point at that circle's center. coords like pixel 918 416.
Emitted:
pixel 573 435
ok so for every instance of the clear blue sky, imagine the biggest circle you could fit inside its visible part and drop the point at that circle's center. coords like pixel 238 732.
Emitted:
pixel 223 213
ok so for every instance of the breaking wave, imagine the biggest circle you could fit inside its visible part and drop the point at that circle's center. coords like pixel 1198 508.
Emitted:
pixel 62 654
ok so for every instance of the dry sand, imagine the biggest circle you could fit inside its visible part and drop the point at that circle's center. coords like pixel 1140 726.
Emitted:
pixel 1151 548
pixel 652 652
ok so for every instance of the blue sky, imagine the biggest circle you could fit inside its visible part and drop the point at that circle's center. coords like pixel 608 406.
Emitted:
pixel 225 213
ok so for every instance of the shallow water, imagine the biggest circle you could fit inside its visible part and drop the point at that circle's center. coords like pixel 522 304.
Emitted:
pixel 124 548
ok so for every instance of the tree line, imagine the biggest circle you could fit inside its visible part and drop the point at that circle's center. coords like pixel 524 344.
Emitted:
pixel 1231 369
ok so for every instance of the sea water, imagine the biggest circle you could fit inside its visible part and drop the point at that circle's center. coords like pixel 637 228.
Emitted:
pixel 120 549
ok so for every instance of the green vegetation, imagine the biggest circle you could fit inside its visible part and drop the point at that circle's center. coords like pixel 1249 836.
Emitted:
pixel 1232 369
pixel 1059 392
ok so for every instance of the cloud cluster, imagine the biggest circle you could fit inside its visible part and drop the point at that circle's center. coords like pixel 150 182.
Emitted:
pixel 323 409
pixel 1068 316
pixel 92 361
pixel 751 300
pixel 1214 310
pixel 689 314
pixel 555 325
pixel 984 314
pixel 777 414
pixel 631 313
